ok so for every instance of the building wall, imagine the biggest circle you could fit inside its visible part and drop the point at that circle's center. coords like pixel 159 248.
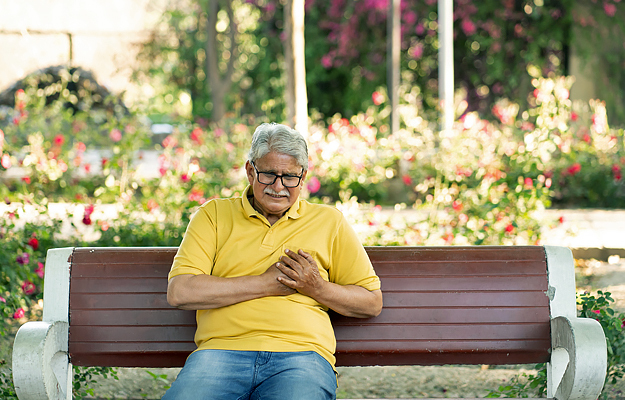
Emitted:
pixel 98 35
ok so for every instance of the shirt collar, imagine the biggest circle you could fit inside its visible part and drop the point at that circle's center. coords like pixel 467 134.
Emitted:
pixel 293 212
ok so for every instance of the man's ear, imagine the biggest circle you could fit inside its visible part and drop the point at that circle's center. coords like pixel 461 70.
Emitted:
pixel 301 183
pixel 249 170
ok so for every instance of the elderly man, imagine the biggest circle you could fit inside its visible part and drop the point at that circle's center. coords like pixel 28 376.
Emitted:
pixel 262 270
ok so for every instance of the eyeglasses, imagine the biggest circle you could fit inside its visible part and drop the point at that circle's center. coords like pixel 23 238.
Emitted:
pixel 269 178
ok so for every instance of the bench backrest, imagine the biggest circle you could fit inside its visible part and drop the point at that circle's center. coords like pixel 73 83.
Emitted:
pixel 442 305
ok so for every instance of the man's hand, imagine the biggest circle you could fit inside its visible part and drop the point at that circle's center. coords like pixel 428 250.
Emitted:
pixel 274 285
pixel 300 272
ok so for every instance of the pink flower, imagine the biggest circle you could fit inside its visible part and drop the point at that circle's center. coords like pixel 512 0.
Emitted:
pixel 313 185
pixel 115 135
pixel 468 27
pixel 196 195
pixel 152 204
pixel 574 116
pixel 59 140
pixel 23 259
pixel 610 9
pixel 417 51
pixel 326 61
pixel 170 142
pixel 529 183
pixel 87 217
pixel 407 180
pixel 28 288
pixel 2 299
pixel 40 270
pixel 185 178
pixel 6 161
pixel 378 98
pixel 19 313
pixel 218 132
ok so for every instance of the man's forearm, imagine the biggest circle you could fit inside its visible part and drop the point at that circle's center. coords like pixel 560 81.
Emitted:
pixel 350 300
pixel 203 292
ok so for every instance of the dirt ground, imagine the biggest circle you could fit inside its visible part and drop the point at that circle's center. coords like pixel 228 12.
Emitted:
pixel 403 382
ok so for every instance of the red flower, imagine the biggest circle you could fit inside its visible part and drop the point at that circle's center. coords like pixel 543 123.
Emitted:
pixel 573 169
pixel 196 135
pixel 509 228
pixel 378 98
pixel 59 140
pixel 19 313
pixel 26 179
pixel 407 180
pixel 561 219
pixel 616 172
pixel 586 138
pixel 34 243
pixel 28 288
pixel 574 116
pixel 185 178
pixel 457 205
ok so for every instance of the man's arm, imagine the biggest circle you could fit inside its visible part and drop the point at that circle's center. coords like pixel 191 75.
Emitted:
pixel 301 273
pixel 202 292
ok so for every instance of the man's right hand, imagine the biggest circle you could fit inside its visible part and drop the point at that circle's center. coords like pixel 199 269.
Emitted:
pixel 273 285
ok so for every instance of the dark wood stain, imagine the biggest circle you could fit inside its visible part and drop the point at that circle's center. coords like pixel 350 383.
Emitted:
pixel 442 305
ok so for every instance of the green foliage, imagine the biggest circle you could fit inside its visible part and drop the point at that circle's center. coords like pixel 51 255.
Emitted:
pixel 597 306
pixel 85 377
pixel 7 389
pixel 524 385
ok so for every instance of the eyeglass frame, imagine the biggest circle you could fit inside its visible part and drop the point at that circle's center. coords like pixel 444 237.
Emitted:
pixel 276 176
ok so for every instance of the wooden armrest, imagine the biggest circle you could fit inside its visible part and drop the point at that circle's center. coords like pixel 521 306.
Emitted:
pixel 41 368
pixel 579 359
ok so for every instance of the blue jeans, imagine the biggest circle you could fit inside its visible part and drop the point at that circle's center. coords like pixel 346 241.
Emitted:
pixel 254 375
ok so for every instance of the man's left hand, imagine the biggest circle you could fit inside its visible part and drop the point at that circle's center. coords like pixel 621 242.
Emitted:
pixel 302 273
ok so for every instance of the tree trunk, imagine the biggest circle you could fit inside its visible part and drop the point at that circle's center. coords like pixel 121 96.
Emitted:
pixel 219 82
pixel 296 97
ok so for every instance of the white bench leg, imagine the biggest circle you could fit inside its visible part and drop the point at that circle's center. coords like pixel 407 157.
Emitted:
pixel 579 360
pixel 41 368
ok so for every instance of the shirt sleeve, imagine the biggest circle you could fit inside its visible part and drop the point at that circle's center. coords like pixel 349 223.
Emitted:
pixel 196 253
pixel 350 262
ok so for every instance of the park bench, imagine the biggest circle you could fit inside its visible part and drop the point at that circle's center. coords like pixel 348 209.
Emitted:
pixel 442 305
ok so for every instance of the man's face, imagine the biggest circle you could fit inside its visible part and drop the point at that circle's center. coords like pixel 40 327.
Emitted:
pixel 273 200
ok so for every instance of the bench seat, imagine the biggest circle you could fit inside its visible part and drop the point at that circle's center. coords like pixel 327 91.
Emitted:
pixel 442 305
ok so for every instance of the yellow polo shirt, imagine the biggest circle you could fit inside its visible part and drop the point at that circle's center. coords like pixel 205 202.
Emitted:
pixel 228 238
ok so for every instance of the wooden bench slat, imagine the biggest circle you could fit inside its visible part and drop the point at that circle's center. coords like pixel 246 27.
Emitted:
pixel 492 283
pixel 528 298
pixel 460 295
